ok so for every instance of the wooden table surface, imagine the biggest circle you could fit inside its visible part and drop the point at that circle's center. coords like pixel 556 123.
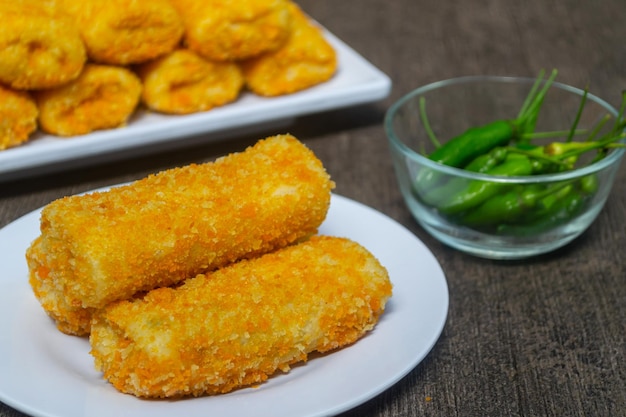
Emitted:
pixel 540 337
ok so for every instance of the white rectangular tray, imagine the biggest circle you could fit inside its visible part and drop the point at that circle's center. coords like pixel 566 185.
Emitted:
pixel 357 81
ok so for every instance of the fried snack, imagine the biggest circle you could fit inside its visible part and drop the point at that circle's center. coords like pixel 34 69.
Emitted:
pixel 18 117
pixel 123 32
pixel 39 46
pixel 102 97
pixel 107 246
pixel 305 60
pixel 229 30
pixel 241 324
pixel 183 82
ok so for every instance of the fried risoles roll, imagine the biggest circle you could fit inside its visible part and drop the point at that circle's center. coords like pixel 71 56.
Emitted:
pixel 239 325
pixel 102 97
pixel 40 47
pixel 183 82
pixel 229 30
pixel 18 117
pixel 304 60
pixel 107 246
pixel 123 32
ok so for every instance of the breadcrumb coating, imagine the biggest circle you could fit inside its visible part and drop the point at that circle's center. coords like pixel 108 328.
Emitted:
pixel 123 32
pixel 239 325
pixel 183 82
pixel 305 60
pixel 106 246
pixel 102 97
pixel 40 47
pixel 18 117
pixel 229 30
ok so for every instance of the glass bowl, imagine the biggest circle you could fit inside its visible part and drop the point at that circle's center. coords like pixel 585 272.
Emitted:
pixel 454 105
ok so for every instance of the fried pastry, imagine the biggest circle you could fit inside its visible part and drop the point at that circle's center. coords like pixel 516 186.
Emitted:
pixel 40 47
pixel 107 246
pixel 121 32
pixel 102 97
pixel 18 117
pixel 183 82
pixel 229 30
pixel 305 60
pixel 239 325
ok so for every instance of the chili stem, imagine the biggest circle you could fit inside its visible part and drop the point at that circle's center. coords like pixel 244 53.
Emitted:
pixel 604 143
pixel 426 123
pixel 538 100
pixel 598 126
pixel 536 156
pixel 552 134
pixel 578 114
pixel 531 94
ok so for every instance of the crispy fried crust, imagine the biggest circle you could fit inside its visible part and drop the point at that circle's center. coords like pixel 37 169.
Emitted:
pixel 40 47
pixel 229 30
pixel 102 97
pixel 18 117
pixel 183 82
pixel 107 246
pixel 241 324
pixel 123 32
pixel 305 60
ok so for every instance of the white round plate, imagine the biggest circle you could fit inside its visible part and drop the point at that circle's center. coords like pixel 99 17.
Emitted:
pixel 45 373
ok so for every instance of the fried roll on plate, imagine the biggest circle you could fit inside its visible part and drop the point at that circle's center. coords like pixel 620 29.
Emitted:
pixel 107 246
pixel 183 82
pixel 18 117
pixel 40 47
pixel 102 97
pixel 122 32
pixel 239 325
pixel 305 60
pixel 229 30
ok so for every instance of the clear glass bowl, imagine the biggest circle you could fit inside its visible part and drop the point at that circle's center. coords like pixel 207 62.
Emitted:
pixel 454 105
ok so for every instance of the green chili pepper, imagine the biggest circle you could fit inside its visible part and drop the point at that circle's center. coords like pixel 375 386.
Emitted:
pixel 527 147
pixel 560 213
pixel 548 201
pixel 589 184
pixel 463 149
pixel 575 149
pixel 485 162
pixel 559 156
pixel 478 191
pixel 474 142
pixel 502 208
pixel 529 204
pixel 435 195
pixel 480 164
pixel 542 160
pixel 514 205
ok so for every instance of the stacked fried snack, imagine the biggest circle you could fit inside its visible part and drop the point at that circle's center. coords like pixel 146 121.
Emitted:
pixel 240 324
pixel 106 246
pixel 89 65
pixel 206 278
pixel 40 48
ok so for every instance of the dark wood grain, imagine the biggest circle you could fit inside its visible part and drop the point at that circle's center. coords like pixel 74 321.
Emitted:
pixel 541 337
